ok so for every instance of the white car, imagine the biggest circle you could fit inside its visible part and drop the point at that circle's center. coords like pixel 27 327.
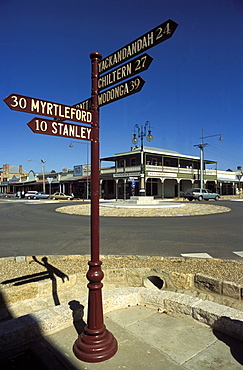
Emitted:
pixel 200 194
pixel 30 194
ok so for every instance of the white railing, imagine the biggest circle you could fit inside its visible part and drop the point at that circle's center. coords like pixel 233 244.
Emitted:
pixel 153 168
pixel 112 170
pixel 186 170
pixel 210 172
pixel 107 170
pixel 165 169
pixel 133 169
pixel 170 169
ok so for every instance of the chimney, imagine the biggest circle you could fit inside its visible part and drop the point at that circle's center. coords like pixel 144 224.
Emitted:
pixel 6 169
pixel 20 169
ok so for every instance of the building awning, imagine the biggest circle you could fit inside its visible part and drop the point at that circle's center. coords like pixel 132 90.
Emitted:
pixel 229 180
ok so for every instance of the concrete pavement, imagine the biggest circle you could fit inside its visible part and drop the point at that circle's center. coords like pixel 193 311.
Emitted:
pixel 154 329
pixel 149 339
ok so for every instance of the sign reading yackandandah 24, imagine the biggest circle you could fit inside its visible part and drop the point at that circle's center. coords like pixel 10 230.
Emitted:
pixel 142 43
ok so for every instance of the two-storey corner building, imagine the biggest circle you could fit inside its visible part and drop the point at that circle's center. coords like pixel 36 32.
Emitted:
pixel 9 175
pixel 166 173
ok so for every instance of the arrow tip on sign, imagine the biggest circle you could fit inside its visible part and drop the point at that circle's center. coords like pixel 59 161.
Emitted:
pixel 6 100
pixel 31 124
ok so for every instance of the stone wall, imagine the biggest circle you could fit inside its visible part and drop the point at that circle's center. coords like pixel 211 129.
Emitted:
pixel 199 285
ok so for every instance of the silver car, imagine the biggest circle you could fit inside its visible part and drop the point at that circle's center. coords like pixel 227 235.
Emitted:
pixel 200 194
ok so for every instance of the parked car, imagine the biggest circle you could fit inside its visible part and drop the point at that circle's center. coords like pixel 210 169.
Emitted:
pixel 41 195
pixel 200 194
pixel 36 195
pixel 9 195
pixel 61 196
pixel 30 194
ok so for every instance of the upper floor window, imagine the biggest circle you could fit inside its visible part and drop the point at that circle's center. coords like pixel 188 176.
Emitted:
pixel 121 163
pixel 133 162
pixel 170 162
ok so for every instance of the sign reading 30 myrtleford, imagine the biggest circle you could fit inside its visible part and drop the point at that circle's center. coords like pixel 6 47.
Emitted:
pixel 46 108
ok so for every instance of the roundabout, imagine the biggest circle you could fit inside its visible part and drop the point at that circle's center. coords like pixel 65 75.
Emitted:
pixel 164 209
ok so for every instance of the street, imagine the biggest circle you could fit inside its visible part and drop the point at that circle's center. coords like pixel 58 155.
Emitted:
pixel 34 228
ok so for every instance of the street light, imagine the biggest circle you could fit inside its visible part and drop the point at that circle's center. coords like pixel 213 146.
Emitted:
pixel 87 159
pixel 239 176
pixel 42 163
pixel 201 147
pixel 141 133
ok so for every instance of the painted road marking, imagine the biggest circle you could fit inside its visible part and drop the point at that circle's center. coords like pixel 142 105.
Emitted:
pixel 239 253
pixel 196 255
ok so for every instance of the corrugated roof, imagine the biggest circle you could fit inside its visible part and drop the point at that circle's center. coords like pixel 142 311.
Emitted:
pixel 152 150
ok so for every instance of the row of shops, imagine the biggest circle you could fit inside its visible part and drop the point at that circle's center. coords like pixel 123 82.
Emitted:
pixel 157 172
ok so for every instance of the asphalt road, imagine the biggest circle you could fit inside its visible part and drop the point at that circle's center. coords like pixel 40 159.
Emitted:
pixel 28 228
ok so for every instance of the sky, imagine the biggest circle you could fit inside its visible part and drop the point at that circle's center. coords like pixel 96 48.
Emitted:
pixel 194 83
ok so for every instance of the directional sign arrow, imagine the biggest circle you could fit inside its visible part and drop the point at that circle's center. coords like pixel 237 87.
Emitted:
pixel 127 70
pixel 117 92
pixel 154 37
pixel 123 90
pixel 64 129
pixel 45 108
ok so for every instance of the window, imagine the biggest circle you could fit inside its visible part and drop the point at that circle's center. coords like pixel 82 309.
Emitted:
pixel 121 163
pixel 133 162
pixel 170 162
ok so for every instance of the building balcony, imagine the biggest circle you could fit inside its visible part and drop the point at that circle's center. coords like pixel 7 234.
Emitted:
pixel 177 171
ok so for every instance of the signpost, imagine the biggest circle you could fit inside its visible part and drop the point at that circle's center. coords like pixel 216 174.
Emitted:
pixel 45 108
pixel 55 128
pixel 96 343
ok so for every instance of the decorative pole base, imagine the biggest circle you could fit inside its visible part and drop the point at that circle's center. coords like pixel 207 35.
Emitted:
pixel 95 348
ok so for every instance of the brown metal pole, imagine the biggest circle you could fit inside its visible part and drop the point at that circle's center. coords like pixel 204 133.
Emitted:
pixel 96 343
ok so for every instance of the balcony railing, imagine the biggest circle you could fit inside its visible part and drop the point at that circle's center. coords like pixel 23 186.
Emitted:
pixel 120 169
pixel 164 169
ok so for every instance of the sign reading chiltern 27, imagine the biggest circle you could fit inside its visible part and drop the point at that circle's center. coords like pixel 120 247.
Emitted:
pixel 55 128
pixel 143 43
pixel 127 70
pixel 45 108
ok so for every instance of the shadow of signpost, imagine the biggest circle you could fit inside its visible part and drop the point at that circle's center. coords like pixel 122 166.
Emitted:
pixel 52 271
pixel 78 314
pixel 21 280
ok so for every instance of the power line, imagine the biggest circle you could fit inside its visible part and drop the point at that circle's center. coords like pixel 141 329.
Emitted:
pixel 223 153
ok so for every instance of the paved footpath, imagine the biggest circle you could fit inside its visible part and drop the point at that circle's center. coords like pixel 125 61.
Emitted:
pixel 148 337
pixel 152 340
